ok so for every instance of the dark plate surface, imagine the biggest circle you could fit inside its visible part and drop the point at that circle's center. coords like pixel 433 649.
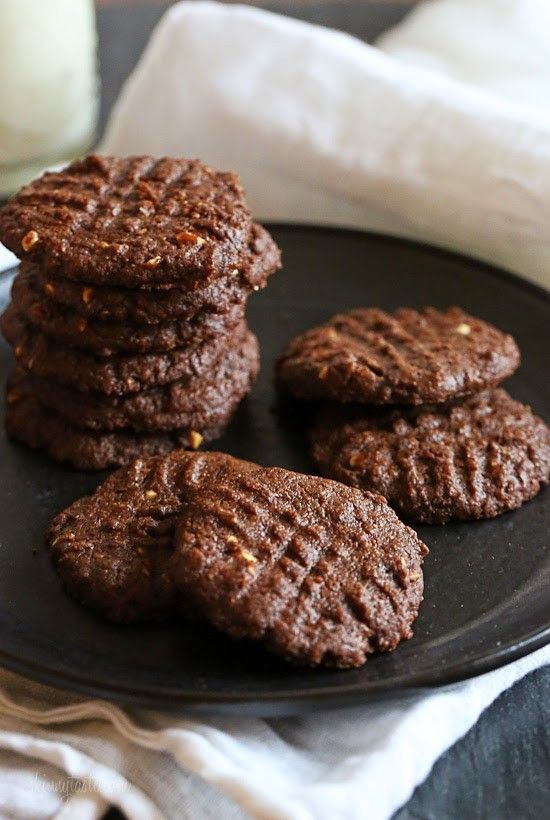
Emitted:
pixel 487 583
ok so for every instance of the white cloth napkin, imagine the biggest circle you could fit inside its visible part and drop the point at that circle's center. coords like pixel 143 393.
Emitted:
pixel 502 46
pixel 324 129
pixel 354 764
pixel 7 259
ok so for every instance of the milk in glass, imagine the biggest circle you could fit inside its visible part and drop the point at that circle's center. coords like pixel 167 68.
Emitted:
pixel 48 92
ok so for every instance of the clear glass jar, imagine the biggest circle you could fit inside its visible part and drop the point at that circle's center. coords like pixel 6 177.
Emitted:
pixel 48 86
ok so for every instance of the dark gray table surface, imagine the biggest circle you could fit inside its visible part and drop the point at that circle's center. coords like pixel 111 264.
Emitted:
pixel 501 769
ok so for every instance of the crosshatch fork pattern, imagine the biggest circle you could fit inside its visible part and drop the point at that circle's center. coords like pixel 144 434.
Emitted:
pixel 321 573
pixel 130 221
pixel 473 459
pixel 413 357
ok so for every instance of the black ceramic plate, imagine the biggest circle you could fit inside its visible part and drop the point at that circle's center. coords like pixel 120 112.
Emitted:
pixel 486 600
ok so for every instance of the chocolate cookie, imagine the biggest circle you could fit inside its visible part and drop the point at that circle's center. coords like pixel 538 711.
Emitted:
pixel 475 458
pixel 117 375
pixel 408 357
pixel 112 338
pixel 29 422
pixel 166 302
pixel 323 582
pixel 208 402
pixel 112 549
pixel 319 572
pixel 130 221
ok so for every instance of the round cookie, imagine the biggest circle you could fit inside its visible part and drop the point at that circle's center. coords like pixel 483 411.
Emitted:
pixel 27 421
pixel 319 572
pixel 112 549
pixel 208 401
pixel 475 458
pixel 116 375
pixel 112 338
pixel 166 302
pixel 130 221
pixel 280 564
pixel 406 357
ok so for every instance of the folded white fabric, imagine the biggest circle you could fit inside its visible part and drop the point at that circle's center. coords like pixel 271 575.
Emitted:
pixel 324 129
pixel 332 766
pixel 502 46
pixel 7 259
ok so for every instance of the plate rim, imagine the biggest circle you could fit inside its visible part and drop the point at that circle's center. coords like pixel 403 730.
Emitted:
pixel 437 250
pixel 271 702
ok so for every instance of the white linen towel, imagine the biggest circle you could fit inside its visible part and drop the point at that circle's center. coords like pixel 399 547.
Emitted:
pixel 322 128
pixel 338 765
pixel 325 129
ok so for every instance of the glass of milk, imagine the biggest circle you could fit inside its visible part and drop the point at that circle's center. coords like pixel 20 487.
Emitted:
pixel 48 86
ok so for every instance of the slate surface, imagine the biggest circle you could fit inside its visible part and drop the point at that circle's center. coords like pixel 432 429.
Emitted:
pixel 500 769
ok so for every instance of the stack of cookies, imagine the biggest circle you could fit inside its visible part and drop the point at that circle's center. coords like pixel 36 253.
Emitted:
pixel 128 314
pixel 412 411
